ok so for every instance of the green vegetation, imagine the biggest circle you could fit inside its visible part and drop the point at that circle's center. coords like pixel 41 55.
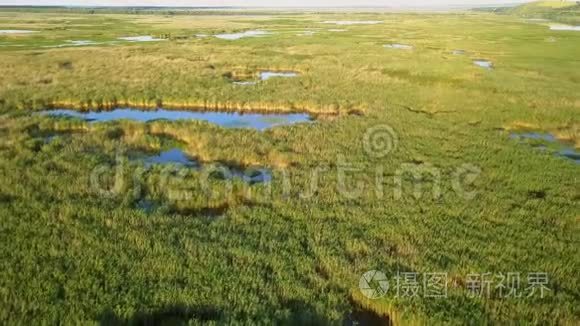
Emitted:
pixel 89 235
pixel 562 11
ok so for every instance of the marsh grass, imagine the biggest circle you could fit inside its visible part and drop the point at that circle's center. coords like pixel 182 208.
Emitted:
pixel 268 253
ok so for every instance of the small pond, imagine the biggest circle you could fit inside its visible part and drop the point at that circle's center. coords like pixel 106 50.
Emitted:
pixel 571 154
pixel 485 64
pixel 173 156
pixel 80 42
pixel 399 46
pixel 147 206
pixel 237 36
pixel 178 157
pixel 257 121
pixel 75 43
pixel 145 38
pixel 565 28
pixel 539 140
pixel 253 175
pixel 15 31
pixel 265 75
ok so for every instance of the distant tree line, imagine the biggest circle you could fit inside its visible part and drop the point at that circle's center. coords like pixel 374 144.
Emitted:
pixel 143 10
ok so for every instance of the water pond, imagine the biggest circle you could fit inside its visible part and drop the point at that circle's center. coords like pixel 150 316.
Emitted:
pixel 539 140
pixel 173 156
pixel 76 43
pixel 237 36
pixel 80 42
pixel 144 38
pixel 253 175
pixel 257 121
pixel 398 46
pixel 485 64
pixel 565 28
pixel 15 31
pixel 265 75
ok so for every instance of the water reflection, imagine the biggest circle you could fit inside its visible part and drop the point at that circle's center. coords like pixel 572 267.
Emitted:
pixel 257 121
pixel 178 157
pixel 483 64
pixel 540 139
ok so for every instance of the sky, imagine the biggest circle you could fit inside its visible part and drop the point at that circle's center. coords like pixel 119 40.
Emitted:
pixel 263 3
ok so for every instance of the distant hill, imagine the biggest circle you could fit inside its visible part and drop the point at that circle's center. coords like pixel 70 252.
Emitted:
pixel 545 7
pixel 561 11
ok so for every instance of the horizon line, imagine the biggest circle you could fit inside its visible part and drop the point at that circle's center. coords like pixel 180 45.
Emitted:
pixel 268 7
